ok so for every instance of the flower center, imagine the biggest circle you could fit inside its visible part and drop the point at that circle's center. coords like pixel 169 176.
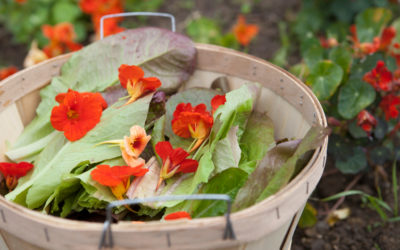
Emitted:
pixel 136 143
pixel 72 114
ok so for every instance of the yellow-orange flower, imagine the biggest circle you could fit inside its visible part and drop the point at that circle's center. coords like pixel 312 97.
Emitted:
pixel 136 142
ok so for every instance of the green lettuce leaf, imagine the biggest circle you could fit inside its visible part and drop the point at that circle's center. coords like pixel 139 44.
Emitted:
pixel 234 113
pixel 43 184
pixel 257 140
pixel 263 174
pixel 227 182
pixel 161 53
pixel 312 140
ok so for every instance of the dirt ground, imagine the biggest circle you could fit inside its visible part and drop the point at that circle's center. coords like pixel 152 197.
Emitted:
pixel 357 231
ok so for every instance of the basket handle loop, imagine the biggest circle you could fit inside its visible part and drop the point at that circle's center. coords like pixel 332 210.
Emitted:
pixel 126 14
pixel 106 239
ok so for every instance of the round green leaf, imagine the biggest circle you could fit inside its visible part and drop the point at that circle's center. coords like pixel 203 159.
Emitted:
pixel 355 162
pixel 342 57
pixel 356 131
pixel 381 129
pixel 65 12
pixel 355 96
pixel 396 25
pixel 325 78
pixel 380 155
pixel 370 22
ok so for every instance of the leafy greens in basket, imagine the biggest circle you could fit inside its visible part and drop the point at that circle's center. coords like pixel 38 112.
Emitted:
pixel 89 149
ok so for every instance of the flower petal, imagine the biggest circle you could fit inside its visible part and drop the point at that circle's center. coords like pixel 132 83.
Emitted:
pixel 129 73
pixel 177 215
pixel 188 166
pixel 164 149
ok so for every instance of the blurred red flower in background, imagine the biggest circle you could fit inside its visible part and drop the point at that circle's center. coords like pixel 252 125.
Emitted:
pixel 6 72
pixel 379 77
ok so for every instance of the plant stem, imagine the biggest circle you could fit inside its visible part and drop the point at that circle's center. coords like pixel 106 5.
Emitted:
pixel 394 184
pixel 341 200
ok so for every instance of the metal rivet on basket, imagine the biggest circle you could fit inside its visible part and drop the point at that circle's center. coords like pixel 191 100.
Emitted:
pixel 3 217
pixel 308 187
pixel 23 79
pixel 301 103
pixel 302 96
pixel 169 240
pixel 46 233
pixel 281 80
pixel 277 213
pixel 55 66
pixel 282 87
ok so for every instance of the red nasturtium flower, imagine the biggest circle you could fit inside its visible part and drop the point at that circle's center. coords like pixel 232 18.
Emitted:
pixel 243 32
pixel 174 161
pixel 131 78
pixel 389 106
pixel 117 177
pixel 379 77
pixel 13 171
pixel 365 48
pixel 217 101
pixel 178 215
pixel 386 38
pixel 61 37
pixel 366 121
pixel 188 121
pixel 6 72
pixel 77 113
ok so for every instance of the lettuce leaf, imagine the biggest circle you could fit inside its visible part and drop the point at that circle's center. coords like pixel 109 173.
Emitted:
pixel 257 140
pixel 42 185
pixel 235 112
pixel 161 53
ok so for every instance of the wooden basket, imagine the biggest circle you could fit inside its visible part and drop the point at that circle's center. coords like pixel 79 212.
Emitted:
pixel 267 225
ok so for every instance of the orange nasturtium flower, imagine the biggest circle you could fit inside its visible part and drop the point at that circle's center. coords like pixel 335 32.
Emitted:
pixel 379 77
pixel 244 33
pixel 174 161
pixel 217 101
pixel 178 215
pixel 13 171
pixel 77 113
pixel 61 37
pixel 131 78
pixel 192 122
pixel 117 177
pixel 6 72
pixel 99 8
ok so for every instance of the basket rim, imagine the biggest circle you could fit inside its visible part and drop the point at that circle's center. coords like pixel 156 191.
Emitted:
pixel 67 224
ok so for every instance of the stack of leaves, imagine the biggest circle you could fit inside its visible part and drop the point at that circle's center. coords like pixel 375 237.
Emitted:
pixel 193 141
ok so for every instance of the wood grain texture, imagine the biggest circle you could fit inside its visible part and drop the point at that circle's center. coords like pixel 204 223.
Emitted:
pixel 290 104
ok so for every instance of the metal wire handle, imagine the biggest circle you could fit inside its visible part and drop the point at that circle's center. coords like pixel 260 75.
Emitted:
pixel 159 14
pixel 106 239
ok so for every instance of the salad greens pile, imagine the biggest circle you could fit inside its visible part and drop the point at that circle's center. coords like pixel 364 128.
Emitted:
pixel 239 156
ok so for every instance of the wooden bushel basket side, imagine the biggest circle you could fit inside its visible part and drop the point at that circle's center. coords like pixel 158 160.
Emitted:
pixel 266 225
